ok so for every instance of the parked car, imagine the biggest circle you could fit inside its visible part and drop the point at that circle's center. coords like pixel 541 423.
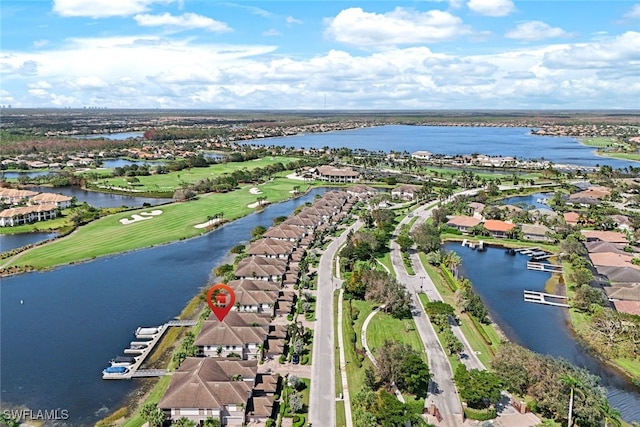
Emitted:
pixel 295 359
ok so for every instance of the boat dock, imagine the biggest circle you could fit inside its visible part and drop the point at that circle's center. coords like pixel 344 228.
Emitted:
pixel 541 266
pixel 141 349
pixel 543 298
pixel 479 246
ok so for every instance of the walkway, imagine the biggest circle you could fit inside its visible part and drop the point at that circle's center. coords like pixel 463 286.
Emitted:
pixel 363 335
pixel 343 364
pixel 322 399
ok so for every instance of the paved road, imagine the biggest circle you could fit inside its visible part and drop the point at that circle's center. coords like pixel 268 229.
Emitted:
pixel 322 399
pixel 442 390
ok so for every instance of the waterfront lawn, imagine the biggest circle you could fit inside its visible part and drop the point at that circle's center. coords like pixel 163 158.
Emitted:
pixel 107 235
pixel 172 181
pixel 506 243
pixel 154 397
pixel 383 327
pixel 599 141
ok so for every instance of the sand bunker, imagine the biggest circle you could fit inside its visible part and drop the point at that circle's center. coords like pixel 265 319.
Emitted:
pixel 256 204
pixel 141 217
pixel 255 190
pixel 296 176
pixel 209 223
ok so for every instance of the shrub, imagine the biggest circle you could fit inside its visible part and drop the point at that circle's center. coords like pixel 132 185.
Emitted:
pixel 281 359
pixel 298 420
pixel 480 414
pixel 304 360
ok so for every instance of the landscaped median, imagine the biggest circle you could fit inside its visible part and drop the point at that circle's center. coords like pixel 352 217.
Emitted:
pixel 108 235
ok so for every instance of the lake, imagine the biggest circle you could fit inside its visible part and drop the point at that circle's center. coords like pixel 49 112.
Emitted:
pixel 76 318
pixel 529 200
pixel 115 136
pixel 13 241
pixel 452 140
pixel 103 200
pixel 500 280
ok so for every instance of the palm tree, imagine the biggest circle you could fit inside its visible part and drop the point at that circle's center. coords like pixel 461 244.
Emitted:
pixel 452 260
pixel 571 382
pixel 610 414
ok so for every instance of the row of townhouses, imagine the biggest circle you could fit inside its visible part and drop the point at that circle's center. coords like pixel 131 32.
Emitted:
pixel 224 381
pixel 29 206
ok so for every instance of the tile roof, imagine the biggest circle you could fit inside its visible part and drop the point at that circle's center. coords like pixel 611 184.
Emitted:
pixel 605 236
pixel 463 221
pixel 224 334
pixel 497 225
pixel 260 267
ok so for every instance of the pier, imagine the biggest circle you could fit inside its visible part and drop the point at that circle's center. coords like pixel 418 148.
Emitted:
pixel 543 298
pixel 540 266
pixel 480 245
pixel 141 349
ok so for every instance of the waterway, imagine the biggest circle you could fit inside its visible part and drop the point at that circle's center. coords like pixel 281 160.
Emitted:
pixel 103 200
pixel 74 319
pixel 453 140
pixel 115 136
pixel 13 241
pixel 500 280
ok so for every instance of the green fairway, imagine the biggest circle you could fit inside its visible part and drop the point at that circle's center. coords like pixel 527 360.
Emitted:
pixel 173 181
pixel 177 221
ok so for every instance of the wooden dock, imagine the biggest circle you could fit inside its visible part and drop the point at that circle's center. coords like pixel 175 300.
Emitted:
pixel 543 298
pixel 133 370
pixel 541 266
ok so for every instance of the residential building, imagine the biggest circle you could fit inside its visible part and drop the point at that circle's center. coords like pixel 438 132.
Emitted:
pixel 335 174
pixel 463 223
pixel 406 192
pixel 497 228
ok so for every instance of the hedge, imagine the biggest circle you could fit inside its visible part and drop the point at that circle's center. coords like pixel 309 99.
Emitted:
pixel 448 277
pixel 481 330
pixel 298 420
pixel 480 414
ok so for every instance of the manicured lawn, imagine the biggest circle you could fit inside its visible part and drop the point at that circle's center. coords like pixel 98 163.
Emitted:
pixel 107 235
pixel 507 243
pixel 172 181
pixel 355 374
pixel 336 295
pixel 384 327
pixel 341 417
pixel 386 261
pixel 599 141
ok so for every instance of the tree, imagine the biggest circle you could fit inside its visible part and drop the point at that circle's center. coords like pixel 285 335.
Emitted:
pixel 452 260
pixel 400 364
pixel 295 403
pixel 183 422
pixel 294 382
pixel 152 414
pixel 480 389
pixel 610 414
pixel 298 346
pixel 370 378
pixel 426 237
pixel 258 231
pixel 405 242
pixel 572 382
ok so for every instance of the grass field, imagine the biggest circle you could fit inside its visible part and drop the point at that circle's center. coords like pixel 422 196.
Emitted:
pixel 172 181
pixel 107 235
pixel 355 374
pixel 384 327
pixel 600 142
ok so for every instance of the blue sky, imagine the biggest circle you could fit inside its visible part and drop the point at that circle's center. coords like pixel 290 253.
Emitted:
pixel 429 54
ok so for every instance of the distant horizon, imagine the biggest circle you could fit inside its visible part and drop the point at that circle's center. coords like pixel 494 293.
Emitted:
pixel 361 55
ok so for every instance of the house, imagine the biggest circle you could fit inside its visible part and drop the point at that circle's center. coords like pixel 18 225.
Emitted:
pixel 257 301
pixel 261 268
pixel 220 339
pixel 591 196
pixel 536 232
pixel 361 191
pixel 27 214
pixel 612 259
pixel 475 209
pixel 463 223
pixel 421 155
pixel 600 246
pixel 253 285
pixel 335 174
pixel 306 222
pixel 289 232
pixel 271 248
pixel 497 228
pixel 623 222
pixel 604 236
pixel 59 200
pixel 571 218
pixel 205 387
pixel 11 196
pixel 406 192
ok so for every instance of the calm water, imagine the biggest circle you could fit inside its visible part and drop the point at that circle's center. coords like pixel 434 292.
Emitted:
pixel 114 163
pixel 16 175
pixel 103 200
pixel 116 136
pixel 500 280
pixel 516 142
pixel 530 200
pixel 76 318
pixel 12 241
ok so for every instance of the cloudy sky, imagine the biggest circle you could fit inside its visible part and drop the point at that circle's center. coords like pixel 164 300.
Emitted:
pixel 428 54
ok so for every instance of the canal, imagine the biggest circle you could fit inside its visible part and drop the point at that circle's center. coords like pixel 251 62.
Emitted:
pixel 500 280
pixel 74 319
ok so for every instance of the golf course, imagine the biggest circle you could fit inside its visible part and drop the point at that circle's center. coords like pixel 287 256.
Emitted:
pixel 140 228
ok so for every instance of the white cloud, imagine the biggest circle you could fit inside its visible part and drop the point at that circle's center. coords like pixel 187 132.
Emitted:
pixel 148 72
pixel 401 26
pixel 535 31
pixel 102 8
pixel 491 7
pixel 634 12
pixel 40 43
pixel 271 33
pixel 185 21
pixel 292 20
